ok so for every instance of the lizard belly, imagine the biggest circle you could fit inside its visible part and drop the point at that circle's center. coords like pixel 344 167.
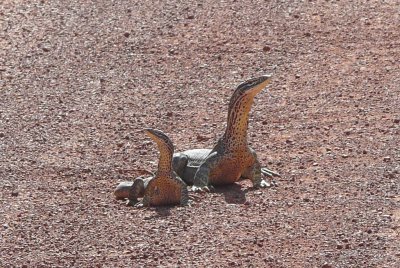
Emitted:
pixel 166 193
pixel 226 172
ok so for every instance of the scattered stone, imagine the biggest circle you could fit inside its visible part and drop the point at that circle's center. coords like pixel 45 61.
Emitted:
pixel 86 170
pixel 386 158
pixel 289 141
pixel 391 175
pixel 347 132
pixel 14 194
pixel 345 155
pixel 266 48
pixel 127 34
pixel 202 138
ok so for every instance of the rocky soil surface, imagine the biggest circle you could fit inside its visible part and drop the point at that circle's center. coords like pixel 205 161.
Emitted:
pixel 79 80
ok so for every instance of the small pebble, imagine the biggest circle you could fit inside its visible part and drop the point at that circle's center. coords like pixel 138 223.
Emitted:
pixel 289 141
pixel 266 48
pixel 202 138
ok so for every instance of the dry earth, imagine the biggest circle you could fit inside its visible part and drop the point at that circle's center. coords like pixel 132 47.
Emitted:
pixel 80 79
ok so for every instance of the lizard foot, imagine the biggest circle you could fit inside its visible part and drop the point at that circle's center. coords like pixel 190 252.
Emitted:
pixel 200 189
pixel 265 184
pixel 131 202
pixel 139 205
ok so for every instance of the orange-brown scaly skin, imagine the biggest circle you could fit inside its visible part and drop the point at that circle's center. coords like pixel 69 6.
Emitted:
pixel 163 191
pixel 232 158
pixel 165 188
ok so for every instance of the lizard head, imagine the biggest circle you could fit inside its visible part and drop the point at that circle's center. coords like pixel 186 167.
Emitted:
pixel 253 86
pixel 160 138
pixel 247 90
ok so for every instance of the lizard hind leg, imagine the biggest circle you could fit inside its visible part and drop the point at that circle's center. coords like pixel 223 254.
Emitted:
pixel 179 163
pixel 136 191
pixel 184 197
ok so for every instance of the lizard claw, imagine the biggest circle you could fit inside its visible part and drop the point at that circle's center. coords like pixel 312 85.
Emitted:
pixel 131 202
pixel 139 205
pixel 269 173
pixel 263 184
pixel 200 189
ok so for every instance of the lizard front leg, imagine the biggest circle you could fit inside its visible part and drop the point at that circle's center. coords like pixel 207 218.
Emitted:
pixel 202 177
pixel 253 173
pixel 151 193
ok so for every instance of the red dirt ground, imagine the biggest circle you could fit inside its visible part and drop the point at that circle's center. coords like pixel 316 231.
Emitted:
pixel 80 79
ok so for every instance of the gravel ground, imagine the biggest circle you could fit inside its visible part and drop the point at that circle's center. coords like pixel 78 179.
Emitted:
pixel 80 79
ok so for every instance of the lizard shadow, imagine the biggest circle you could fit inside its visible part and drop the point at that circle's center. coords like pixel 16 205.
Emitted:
pixel 163 211
pixel 233 193
pixel 160 212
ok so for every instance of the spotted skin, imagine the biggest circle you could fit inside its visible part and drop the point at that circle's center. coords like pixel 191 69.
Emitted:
pixel 233 145
pixel 165 188
pixel 232 158
pixel 185 164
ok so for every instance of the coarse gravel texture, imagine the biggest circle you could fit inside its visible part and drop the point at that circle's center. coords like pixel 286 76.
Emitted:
pixel 79 80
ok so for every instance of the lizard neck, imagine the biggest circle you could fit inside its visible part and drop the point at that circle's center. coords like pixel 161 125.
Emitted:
pixel 165 160
pixel 235 136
